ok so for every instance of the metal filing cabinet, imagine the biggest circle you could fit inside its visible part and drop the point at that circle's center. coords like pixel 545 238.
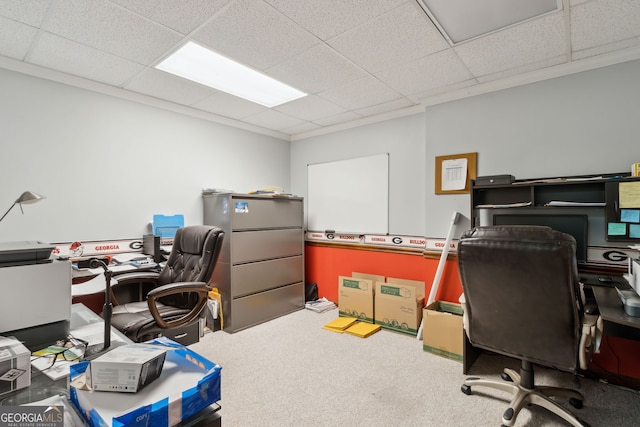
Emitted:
pixel 260 271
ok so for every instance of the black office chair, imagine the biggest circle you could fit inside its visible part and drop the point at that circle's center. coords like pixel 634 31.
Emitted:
pixel 180 289
pixel 522 299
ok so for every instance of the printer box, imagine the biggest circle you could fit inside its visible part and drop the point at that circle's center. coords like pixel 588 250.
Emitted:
pixel 355 298
pixel 15 365
pixel 126 368
pixel 398 305
pixel 188 384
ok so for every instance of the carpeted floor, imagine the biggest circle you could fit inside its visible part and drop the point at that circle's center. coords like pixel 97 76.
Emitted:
pixel 291 372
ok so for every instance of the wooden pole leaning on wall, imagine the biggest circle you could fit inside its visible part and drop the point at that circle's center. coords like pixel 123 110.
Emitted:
pixel 443 259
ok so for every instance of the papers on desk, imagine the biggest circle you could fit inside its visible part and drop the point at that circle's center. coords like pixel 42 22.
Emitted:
pixel 567 203
pixel 130 257
pixel 93 333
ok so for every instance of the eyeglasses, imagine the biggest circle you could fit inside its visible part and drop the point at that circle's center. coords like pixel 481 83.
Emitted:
pixel 71 349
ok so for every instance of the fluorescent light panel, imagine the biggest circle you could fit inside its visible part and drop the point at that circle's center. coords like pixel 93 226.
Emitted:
pixel 201 65
pixel 463 20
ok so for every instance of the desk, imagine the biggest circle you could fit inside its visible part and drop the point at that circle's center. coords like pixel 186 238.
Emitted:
pixel 88 286
pixel 43 387
pixel 616 322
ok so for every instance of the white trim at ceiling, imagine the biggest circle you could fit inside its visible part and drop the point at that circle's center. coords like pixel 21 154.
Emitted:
pixel 91 85
pixel 586 64
pixel 561 70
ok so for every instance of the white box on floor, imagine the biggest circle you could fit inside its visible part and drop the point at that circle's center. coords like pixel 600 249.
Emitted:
pixel 15 365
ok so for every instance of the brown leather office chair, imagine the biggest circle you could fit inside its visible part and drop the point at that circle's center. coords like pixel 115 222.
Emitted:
pixel 180 289
pixel 522 299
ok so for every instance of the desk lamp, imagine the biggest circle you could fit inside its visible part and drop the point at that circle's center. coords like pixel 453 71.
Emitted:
pixel 25 198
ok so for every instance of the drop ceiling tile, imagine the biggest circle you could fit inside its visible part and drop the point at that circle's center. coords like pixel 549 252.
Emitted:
pixel 255 34
pixel 162 85
pixel 28 12
pixel 73 58
pixel 304 127
pixel 15 38
pixel 598 23
pixel 183 16
pixel 423 97
pixel 227 105
pixel 271 119
pixel 105 26
pixel 427 73
pixel 360 94
pixel 515 47
pixel 607 48
pixel 561 59
pixel 310 108
pixel 385 107
pixel 337 119
pixel 328 18
pixel 399 36
pixel 316 69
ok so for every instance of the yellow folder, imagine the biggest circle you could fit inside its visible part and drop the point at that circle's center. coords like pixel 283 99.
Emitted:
pixel 340 324
pixel 362 329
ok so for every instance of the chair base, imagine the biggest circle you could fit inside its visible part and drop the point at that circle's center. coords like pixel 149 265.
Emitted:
pixel 534 395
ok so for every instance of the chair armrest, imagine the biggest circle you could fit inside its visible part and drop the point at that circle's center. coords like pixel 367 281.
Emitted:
pixel 201 289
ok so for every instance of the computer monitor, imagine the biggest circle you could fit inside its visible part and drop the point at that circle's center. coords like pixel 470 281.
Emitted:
pixel 573 224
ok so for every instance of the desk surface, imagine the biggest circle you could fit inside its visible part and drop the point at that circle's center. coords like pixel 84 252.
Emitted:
pixel 611 308
pixel 41 385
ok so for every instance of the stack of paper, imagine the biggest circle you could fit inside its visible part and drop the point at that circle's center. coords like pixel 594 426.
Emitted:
pixel 320 305
pixel 362 329
pixel 340 324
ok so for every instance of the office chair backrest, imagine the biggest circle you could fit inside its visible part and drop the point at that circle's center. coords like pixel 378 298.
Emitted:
pixel 520 286
pixel 193 257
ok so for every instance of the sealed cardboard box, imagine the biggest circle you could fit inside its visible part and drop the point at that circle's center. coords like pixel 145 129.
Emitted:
pixel 15 365
pixel 398 305
pixel 127 368
pixel 355 298
pixel 442 331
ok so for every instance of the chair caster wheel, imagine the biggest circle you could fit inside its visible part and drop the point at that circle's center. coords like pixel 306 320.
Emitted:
pixel 576 403
pixel 506 377
pixel 466 389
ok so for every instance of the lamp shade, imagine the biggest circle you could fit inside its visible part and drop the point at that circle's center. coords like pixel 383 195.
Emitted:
pixel 25 198
pixel 29 197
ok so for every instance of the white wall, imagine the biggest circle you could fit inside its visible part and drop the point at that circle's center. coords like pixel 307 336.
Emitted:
pixel 402 138
pixel 586 123
pixel 106 165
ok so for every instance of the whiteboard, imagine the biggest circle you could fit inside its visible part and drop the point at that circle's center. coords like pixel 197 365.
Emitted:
pixel 349 196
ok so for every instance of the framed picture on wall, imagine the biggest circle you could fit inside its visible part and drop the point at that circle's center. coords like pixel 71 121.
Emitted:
pixel 455 172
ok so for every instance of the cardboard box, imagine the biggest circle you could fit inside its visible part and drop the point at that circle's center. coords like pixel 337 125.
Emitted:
pixel 355 298
pixel 373 277
pixel 188 384
pixel 15 365
pixel 127 368
pixel 398 305
pixel 442 331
